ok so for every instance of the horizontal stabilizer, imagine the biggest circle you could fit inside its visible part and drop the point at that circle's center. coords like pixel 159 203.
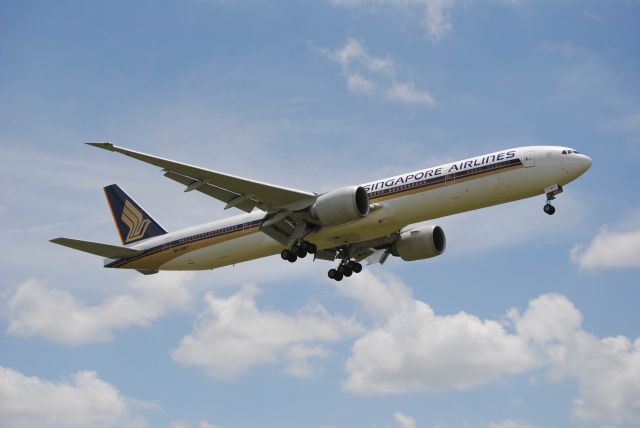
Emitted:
pixel 104 250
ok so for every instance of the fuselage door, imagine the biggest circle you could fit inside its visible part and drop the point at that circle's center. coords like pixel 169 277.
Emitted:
pixel 529 159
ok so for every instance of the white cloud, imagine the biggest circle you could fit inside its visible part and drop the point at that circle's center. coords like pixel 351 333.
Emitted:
pixel 408 94
pixel 57 315
pixel 232 335
pixel 82 400
pixel 509 423
pixel 367 74
pixel 414 349
pixel 185 424
pixel 609 250
pixel 436 14
pixel 436 19
pixel 359 84
pixel 607 370
pixel 410 348
pixel 404 421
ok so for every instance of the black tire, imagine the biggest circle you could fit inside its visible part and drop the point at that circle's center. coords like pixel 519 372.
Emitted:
pixel 347 272
pixel 285 254
pixel 350 264
pixel 292 258
pixel 304 246
pixel 549 209
pixel 338 277
pixel 357 267
pixel 332 273
pixel 312 248
pixel 302 254
pixel 340 269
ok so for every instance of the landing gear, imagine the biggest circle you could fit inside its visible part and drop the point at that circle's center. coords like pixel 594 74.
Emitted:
pixel 549 209
pixel 551 193
pixel 345 268
pixel 299 250
pixel 335 275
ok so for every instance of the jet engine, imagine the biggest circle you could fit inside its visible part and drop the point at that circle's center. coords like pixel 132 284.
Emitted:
pixel 341 206
pixel 419 243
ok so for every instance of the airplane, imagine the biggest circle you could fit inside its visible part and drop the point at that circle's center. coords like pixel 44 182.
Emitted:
pixel 351 224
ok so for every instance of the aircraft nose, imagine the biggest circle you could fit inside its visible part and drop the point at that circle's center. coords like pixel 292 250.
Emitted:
pixel 584 163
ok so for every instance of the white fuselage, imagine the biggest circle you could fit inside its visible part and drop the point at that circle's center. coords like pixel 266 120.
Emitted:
pixel 396 202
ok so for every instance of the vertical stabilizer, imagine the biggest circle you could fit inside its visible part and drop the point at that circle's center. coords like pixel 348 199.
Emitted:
pixel 133 223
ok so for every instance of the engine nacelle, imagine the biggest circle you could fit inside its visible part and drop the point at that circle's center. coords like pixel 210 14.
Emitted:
pixel 419 243
pixel 341 206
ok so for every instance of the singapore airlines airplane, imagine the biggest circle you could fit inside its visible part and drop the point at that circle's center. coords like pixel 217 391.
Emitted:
pixel 351 224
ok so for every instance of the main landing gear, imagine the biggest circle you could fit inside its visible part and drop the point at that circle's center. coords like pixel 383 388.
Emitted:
pixel 345 268
pixel 551 193
pixel 299 249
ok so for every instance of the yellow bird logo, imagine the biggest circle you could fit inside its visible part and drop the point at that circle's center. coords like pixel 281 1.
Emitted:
pixel 133 218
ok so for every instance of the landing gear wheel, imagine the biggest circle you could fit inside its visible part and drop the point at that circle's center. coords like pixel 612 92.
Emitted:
pixel 340 269
pixel 338 277
pixel 292 257
pixel 285 254
pixel 357 267
pixel 312 248
pixel 304 246
pixel 332 273
pixel 347 272
pixel 302 253
pixel 549 209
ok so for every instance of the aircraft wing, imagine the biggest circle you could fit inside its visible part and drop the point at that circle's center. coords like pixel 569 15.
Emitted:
pixel 234 191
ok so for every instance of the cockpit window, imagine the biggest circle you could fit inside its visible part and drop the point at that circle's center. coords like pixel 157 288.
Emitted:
pixel 570 151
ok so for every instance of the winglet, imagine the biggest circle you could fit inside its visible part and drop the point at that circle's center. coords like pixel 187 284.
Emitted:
pixel 106 146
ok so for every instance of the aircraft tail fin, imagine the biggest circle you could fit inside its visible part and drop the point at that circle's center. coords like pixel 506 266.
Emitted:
pixel 133 223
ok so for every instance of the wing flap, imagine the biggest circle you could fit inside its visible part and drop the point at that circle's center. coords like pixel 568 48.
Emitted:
pixel 98 249
pixel 268 196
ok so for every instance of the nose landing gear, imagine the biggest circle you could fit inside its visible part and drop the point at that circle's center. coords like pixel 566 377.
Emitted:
pixel 551 193
pixel 549 209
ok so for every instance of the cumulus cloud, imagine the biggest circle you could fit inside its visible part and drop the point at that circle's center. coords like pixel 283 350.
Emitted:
pixel 82 400
pixel 411 348
pixel 232 335
pixel 58 316
pixel 609 250
pixel 370 75
pixel 607 370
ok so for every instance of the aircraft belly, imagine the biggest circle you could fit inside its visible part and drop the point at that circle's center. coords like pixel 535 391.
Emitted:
pixel 238 250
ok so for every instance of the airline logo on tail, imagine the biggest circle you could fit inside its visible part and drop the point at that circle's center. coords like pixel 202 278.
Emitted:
pixel 133 218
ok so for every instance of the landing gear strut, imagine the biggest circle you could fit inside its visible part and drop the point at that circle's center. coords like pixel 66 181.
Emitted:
pixel 345 268
pixel 299 250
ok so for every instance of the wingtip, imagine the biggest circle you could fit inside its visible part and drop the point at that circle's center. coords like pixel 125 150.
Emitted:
pixel 101 145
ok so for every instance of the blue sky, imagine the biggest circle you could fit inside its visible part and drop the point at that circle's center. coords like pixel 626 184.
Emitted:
pixel 526 321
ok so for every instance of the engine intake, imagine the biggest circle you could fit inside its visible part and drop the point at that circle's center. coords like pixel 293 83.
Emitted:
pixel 419 243
pixel 341 206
